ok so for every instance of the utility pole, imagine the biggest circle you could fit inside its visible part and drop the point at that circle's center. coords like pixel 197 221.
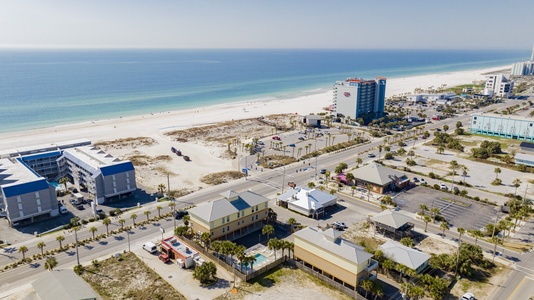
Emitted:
pixel 493 237
pixel 458 258
pixel 168 185
pixel 174 213
pixel 128 234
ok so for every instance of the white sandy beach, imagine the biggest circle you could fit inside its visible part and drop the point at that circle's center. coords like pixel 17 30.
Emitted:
pixel 206 159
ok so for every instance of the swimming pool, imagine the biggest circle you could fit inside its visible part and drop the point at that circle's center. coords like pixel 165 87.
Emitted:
pixel 259 258
pixel 55 184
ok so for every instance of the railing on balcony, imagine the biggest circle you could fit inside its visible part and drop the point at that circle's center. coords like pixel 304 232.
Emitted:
pixel 373 264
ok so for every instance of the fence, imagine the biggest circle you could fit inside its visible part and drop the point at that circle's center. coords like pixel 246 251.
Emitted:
pixel 229 268
pixel 338 286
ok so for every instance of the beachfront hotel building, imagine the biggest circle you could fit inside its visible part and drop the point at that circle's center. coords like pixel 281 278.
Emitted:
pixel 25 195
pixel 358 98
pixel 105 177
pixel 515 127
pixel 326 253
pixel 29 175
pixel 498 85
pixel 233 216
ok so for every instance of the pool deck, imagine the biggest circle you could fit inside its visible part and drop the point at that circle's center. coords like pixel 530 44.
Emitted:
pixel 262 250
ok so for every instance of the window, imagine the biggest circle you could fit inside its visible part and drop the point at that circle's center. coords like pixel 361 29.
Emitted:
pixel 252 218
pixel 223 229
pixel 228 228
pixel 265 204
pixel 223 220
pixel 256 217
pixel 238 223
pixel 228 219
pixel 238 215
pixel 212 233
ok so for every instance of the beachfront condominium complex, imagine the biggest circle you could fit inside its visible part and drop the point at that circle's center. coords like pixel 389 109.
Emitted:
pixel 105 177
pixel 498 85
pixel 518 128
pixel 28 177
pixel 360 99
pixel 524 67
pixel 233 216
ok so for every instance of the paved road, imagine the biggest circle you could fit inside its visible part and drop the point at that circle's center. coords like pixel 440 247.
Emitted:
pixel 266 183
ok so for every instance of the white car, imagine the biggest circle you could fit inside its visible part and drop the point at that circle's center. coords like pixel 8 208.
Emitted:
pixel 468 296
pixel 443 186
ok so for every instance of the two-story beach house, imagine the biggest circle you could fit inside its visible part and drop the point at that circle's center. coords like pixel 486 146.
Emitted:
pixel 336 258
pixel 233 216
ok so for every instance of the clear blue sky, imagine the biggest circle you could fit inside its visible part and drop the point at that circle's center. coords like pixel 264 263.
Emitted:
pixel 430 24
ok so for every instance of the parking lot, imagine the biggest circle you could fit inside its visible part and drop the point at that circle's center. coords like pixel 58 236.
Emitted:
pixel 458 211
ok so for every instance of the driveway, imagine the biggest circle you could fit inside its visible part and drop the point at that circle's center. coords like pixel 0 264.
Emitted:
pixel 182 279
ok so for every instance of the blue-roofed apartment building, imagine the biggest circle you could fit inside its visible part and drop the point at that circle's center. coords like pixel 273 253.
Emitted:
pixel 25 195
pixel 104 176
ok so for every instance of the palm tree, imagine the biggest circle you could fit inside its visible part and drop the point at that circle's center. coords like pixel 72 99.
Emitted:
pixel 159 208
pixel 311 185
pixel 41 246
pixel 60 239
pixel 423 207
pixel 367 285
pixel 64 181
pixel 497 171
pixel 291 222
pixel 387 265
pixel 147 214
pixel 241 255
pixel 273 244
pixel 122 221
pixel 427 219
pixel 350 178
pixel 401 269
pixel 93 230
pixel 516 183
pixel 453 165
pixel 440 150
pixel 51 263
pixel 106 222
pixel 268 230
pixel 444 226
pixel 377 290
pixel 477 234
pixel 358 162
pixel 435 212
pixel 369 188
pixel 23 250
pixel 205 238
pixel 133 217
pixel 461 231
pixel 161 188
pixel 380 147
pixel 171 206
pixel 252 260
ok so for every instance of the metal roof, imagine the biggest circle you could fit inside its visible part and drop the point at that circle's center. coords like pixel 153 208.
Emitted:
pixel 117 168
pixel 41 155
pixel 307 198
pixel 330 241
pixel 17 188
pixel 392 218
pixel 63 285
pixel 401 254
pixel 217 209
pixel 377 174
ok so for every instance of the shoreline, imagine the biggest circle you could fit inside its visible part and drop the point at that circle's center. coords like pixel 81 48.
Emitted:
pixel 157 123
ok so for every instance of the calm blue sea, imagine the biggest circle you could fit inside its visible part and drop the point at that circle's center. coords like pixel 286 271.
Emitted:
pixel 41 88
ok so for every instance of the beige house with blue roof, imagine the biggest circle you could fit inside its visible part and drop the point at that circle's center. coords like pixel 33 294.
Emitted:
pixel 328 254
pixel 233 216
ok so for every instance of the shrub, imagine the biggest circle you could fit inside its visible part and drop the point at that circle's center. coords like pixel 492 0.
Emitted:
pixel 496 181
pixel 436 186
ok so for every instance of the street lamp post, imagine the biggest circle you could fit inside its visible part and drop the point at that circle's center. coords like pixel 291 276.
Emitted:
pixel 174 212
pixel 283 179
pixel 75 229
pixel 128 234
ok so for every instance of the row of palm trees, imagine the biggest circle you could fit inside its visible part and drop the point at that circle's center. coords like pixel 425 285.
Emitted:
pixel 230 249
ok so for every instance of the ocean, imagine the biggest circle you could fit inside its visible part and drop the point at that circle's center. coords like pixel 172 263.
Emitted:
pixel 42 88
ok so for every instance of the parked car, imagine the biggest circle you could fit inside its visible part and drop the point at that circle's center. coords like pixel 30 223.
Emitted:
pixel 164 257
pixel 468 296
pixel 415 179
pixel 180 214
pixel 80 207
pixel 443 186
pixel 186 158
pixel 323 171
pixel 260 143
pixel 371 155
pixel 291 145
pixel 276 138
pixel 291 184
pixel 301 138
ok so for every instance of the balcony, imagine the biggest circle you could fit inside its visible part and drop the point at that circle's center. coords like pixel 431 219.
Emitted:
pixel 373 264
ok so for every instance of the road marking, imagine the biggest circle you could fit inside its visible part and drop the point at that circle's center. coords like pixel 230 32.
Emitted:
pixel 517 288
